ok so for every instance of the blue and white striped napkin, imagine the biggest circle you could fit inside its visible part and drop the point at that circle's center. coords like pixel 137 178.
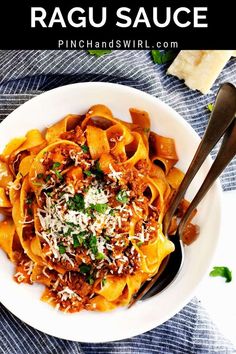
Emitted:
pixel 24 74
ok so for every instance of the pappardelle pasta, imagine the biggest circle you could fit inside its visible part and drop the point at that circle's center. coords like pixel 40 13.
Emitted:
pixel 84 204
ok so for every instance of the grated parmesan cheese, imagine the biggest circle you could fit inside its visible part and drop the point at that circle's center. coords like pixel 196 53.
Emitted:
pixel 67 293
pixel 95 195
pixel 114 174
pixel 3 174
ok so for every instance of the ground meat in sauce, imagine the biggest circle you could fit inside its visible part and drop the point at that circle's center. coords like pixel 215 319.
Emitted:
pixel 120 256
pixel 76 135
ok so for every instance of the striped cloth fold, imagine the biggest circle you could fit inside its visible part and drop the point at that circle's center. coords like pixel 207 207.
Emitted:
pixel 189 332
pixel 24 74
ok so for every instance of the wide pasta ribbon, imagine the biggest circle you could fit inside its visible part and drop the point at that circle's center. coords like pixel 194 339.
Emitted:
pixel 84 203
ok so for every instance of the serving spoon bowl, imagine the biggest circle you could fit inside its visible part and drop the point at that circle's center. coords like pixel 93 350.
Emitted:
pixel 222 122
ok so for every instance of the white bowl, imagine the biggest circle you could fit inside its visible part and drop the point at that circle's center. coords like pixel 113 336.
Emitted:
pixel 24 300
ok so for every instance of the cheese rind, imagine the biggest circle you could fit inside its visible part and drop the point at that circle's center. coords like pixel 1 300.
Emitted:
pixel 200 68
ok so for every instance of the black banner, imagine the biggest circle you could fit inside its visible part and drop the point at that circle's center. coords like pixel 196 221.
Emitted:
pixel 107 24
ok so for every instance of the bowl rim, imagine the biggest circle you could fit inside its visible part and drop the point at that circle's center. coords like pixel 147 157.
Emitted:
pixel 170 112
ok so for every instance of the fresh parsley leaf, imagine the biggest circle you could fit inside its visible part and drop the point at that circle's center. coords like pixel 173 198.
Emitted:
pixel 162 57
pixel 97 171
pixel 112 212
pixel 82 234
pixel 99 53
pixel 89 212
pixel 139 244
pixel 104 281
pixel 90 280
pixel 62 249
pixel 69 223
pixel 56 165
pixel 98 167
pixel 76 242
pixel 100 208
pixel 210 107
pixel 93 244
pixel 122 196
pixel 76 203
pixel 100 256
pixel 40 175
pixel 80 239
pixel 222 272
pixel 85 148
pixel 48 177
pixel 58 174
pixel 85 268
pixel 87 173
pixel 29 200
pixel 68 232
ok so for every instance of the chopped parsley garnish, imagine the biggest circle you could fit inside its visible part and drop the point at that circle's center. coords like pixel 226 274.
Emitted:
pixel 56 165
pixel 70 223
pixel 76 203
pixel 80 239
pixel 96 170
pixel 100 208
pixel 62 249
pixel 122 196
pixel 40 175
pixel 100 256
pixel 104 281
pixel 112 212
pixel 58 174
pixel 139 244
pixel 85 148
pixel 162 57
pixel 210 107
pixel 90 280
pixel 89 211
pixel 87 173
pixel 222 272
pixel 98 167
pixel 68 232
pixel 76 241
pixel 85 268
pixel 48 177
pixel 99 53
pixel 93 244
pixel 29 200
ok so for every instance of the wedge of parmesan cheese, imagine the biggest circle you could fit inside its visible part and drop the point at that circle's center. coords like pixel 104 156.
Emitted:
pixel 200 68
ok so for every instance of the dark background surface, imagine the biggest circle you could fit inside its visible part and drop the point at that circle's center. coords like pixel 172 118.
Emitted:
pixel 16 32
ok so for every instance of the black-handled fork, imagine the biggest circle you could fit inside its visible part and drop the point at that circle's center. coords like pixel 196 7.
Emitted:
pixel 222 122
